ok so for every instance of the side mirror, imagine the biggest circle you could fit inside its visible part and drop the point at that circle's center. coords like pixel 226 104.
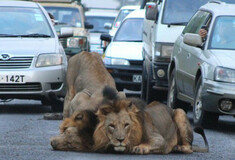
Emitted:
pixel 151 11
pixel 88 25
pixel 108 25
pixel 66 32
pixel 105 37
pixel 192 39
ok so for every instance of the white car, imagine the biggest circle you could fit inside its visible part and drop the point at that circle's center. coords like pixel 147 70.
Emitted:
pixel 33 63
pixel 123 12
pixel 123 56
pixel 98 18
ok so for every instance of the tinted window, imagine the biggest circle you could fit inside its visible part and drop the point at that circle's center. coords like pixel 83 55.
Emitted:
pixel 23 21
pixel 65 15
pixel 98 23
pixel 130 30
pixel 122 14
pixel 223 33
pixel 196 22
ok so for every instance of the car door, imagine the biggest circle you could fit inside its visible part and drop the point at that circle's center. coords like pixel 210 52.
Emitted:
pixel 190 55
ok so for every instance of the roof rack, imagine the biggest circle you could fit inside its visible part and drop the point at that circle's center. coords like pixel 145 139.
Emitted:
pixel 60 1
pixel 215 1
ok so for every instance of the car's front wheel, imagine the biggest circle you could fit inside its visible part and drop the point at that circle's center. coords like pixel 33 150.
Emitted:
pixel 172 100
pixel 200 116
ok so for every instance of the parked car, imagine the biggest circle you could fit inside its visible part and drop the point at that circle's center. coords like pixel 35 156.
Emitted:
pixel 98 18
pixel 69 13
pixel 123 56
pixel 123 12
pixel 203 73
pixel 33 63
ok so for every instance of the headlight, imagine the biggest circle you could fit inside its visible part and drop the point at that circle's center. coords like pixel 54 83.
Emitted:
pixel 49 60
pixel 115 61
pixel 224 75
pixel 76 42
pixel 164 50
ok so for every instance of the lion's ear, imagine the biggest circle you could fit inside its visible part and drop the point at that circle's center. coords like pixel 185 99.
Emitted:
pixel 109 93
pixel 104 110
pixel 132 107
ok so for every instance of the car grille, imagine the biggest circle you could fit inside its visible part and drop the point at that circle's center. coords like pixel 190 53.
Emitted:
pixel 136 63
pixel 20 87
pixel 16 63
pixel 63 42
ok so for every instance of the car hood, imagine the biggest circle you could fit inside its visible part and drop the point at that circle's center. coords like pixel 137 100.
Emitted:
pixel 95 38
pixel 125 50
pixel 225 58
pixel 28 46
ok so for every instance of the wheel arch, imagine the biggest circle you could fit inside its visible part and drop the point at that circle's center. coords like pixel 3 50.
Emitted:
pixel 170 69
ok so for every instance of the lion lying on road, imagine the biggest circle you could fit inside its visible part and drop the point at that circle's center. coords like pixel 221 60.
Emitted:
pixel 86 78
pixel 126 126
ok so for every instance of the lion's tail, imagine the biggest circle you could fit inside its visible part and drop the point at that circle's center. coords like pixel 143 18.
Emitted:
pixel 200 131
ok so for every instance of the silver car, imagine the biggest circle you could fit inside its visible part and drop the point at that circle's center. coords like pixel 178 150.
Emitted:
pixel 202 71
pixel 32 61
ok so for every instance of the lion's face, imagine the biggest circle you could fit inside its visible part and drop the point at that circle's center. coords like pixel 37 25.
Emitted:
pixel 119 125
pixel 80 120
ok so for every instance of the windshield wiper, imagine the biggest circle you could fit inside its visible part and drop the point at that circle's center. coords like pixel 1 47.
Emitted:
pixel 8 35
pixel 34 35
pixel 177 23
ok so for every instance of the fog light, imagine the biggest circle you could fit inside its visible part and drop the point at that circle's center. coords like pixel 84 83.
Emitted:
pixel 226 105
pixel 160 73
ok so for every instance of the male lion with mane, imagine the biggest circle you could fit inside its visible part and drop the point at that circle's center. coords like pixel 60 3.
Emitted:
pixel 127 126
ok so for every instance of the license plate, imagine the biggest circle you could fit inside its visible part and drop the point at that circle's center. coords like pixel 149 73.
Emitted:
pixel 137 78
pixel 12 78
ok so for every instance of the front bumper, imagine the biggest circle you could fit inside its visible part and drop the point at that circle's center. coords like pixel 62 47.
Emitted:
pixel 212 94
pixel 160 83
pixel 40 82
pixel 124 76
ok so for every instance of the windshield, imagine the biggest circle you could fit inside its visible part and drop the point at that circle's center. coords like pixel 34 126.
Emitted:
pixel 65 16
pixel 98 23
pixel 122 14
pixel 130 30
pixel 178 11
pixel 223 33
pixel 28 22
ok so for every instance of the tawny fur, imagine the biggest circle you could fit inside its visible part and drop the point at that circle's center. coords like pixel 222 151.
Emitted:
pixel 126 126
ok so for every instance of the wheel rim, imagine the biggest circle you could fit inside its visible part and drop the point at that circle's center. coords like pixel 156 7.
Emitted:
pixel 172 91
pixel 198 104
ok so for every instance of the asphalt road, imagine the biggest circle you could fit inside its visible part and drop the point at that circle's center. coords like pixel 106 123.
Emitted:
pixel 25 135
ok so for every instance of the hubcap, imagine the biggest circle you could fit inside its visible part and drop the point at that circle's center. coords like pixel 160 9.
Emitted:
pixel 198 104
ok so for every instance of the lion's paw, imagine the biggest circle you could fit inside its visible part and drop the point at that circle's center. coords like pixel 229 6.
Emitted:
pixel 141 149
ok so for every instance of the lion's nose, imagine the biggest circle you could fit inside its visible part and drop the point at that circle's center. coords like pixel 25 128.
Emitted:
pixel 120 139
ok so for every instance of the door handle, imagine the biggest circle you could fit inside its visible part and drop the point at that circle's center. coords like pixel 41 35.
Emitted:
pixel 188 55
pixel 179 50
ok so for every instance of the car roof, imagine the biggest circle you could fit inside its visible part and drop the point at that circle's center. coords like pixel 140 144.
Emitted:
pixel 219 8
pixel 102 12
pixel 18 4
pixel 130 7
pixel 138 13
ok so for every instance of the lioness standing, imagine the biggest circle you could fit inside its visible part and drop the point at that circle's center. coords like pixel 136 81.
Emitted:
pixel 86 78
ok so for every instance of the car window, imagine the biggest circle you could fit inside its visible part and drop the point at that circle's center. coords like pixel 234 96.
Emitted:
pixel 223 33
pixel 98 23
pixel 130 30
pixel 65 15
pixel 23 22
pixel 196 22
pixel 122 14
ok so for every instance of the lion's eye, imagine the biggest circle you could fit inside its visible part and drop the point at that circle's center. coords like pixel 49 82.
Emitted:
pixel 127 125
pixel 111 126
pixel 79 117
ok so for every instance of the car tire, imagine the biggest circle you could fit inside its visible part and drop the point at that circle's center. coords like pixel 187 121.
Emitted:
pixel 150 92
pixel 57 106
pixel 172 100
pixel 200 116
pixel 144 83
